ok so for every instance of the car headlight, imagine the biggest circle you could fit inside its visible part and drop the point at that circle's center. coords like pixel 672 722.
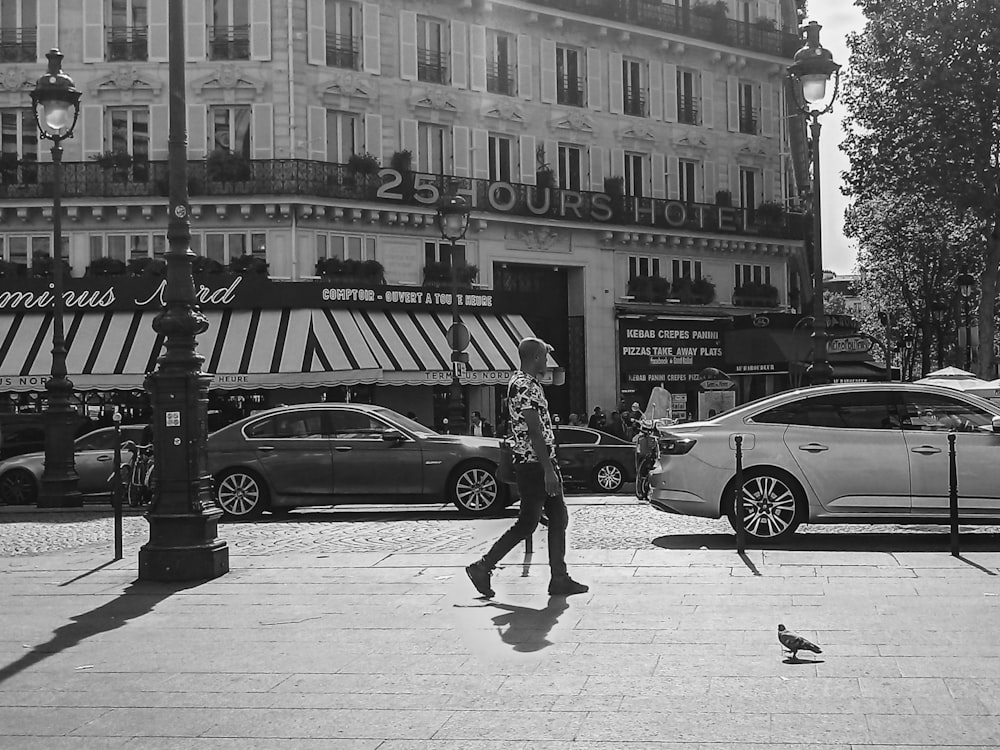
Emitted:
pixel 676 446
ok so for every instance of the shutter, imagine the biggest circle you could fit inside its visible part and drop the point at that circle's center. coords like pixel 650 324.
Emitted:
pixel 732 103
pixel 766 110
pixel 408 45
pixel 670 92
pixel 459 54
pixel 93 30
pixel 617 162
pixel 615 83
pixel 659 176
pixel 655 90
pixel 524 89
pixel 769 9
pixel 408 138
pixel 48 27
pixel 597 168
pixel 551 158
pixel 769 186
pixel 316 25
pixel 477 57
pixel 673 178
pixel 194 27
pixel 373 135
pixel 260 31
pixel 159 129
pixel 480 154
pixel 460 150
pixel 263 131
pixel 92 124
pixel 708 100
pixel 371 28
pixel 548 68
pixel 709 179
pixel 595 79
pixel 159 33
pixel 316 133
pixel 733 178
pixel 197 128
pixel 528 159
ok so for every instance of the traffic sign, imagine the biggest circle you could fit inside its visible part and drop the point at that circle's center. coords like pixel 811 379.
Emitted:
pixel 458 368
pixel 458 336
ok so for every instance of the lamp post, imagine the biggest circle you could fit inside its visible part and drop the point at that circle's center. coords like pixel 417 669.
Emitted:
pixel 453 221
pixel 938 309
pixel 966 283
pixel 183 518
pixel 812 70
pixel 56 104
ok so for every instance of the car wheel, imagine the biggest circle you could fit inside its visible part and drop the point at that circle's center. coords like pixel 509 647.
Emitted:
pixel 241 494
pixel 18 487
pixel 608 477
pixel 474 489
pixel 773 506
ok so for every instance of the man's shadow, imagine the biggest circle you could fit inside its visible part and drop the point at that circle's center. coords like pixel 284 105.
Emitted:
pixel 137 599
pixel 526 629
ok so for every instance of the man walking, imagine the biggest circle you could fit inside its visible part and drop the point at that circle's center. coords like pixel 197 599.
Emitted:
pixel 479 426
pixel 537 474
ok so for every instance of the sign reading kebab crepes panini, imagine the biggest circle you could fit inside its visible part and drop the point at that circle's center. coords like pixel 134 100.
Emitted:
pixel 667 350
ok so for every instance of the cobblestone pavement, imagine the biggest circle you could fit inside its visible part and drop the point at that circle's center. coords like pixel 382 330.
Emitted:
pixel 616 522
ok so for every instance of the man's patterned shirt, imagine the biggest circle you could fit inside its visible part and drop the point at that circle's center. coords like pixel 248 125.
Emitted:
pixel 525 392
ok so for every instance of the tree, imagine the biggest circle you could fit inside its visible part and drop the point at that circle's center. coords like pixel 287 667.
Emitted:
pixel 834 303
pixel 923 92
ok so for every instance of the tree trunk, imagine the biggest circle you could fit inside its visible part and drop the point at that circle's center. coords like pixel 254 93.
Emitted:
pixel 987 304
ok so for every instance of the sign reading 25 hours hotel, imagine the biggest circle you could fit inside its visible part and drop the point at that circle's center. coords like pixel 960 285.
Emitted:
pixel 659 346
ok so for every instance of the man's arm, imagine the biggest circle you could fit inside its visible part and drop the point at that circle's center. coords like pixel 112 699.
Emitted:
pixel 537 439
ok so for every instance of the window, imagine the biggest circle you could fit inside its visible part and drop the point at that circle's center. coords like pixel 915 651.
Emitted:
pixel 229 35
pixel 432 148
pixel 231 129
pixel 127 246
pixel 18 31
pixel 431 63
pixel 633 88
pixel 687 180
pixel 21 248
pixel 129 133
pixel 222 247
pixel 342 136
pixel 500 58
pixel 926 411
pixel 353 425
pixel 573 436
pixel 570 159
pixel 748 188
pixel 440 252
pixel 290 425
pixel 685 269
pixel 501 151
pixel 751 274
pixel 569 84
pixel 748 110
pixel 344 246
pixel 634 173
pixel 341 34
pixel 18 147
pixel 643 265
pixel 128 34
pixel 871 410
pixel 687 99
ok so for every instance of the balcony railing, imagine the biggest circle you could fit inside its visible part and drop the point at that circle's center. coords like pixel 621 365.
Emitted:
pixel 653 14
pixel 19 44
pixel 634 101
pixel 687 109
pixel 312 180
pixel 229 42
pixel 128 43
pixel 569 90
pixel 749 120
pixel 500 78
pixel 342 51
pixel 432 66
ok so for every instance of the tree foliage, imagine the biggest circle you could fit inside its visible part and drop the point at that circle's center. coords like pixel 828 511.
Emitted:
pixel 923 93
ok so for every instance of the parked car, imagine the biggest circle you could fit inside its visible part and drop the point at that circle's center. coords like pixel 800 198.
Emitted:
pixel 94 455
pixel 602 462
pixel 852 452
pixel 331 453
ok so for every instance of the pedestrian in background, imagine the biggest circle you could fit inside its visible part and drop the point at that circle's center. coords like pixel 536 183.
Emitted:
pixel 597 419
pixel 615 426
pixel 539 483
pixel 479 426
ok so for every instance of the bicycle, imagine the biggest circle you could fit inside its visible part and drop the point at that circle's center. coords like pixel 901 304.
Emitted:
pixel 137 474
pixel 646 453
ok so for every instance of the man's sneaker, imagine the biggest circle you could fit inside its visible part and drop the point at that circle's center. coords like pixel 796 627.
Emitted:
pixel 479 574
pixel 564 586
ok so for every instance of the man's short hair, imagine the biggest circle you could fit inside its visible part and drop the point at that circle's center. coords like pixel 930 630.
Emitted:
pixel 530 346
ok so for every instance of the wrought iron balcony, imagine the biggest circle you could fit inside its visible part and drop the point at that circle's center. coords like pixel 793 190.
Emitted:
pixel 500 78
pixel 634 101
pixel 749 120
pixel 569 90
pixel 128 43
pixel 229 42
pixel 342 51
pixel 687 109
pixel 432 66
pixel 19 44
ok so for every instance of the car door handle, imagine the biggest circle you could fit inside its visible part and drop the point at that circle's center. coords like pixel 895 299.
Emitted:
pixel 104 458
pixel 926 450
pixel 813 448
pixel 265 448
pixel 342 448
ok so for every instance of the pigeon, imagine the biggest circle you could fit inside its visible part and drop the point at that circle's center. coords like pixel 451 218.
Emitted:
pixel 794 642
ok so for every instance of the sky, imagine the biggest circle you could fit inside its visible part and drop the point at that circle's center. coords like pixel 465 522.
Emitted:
pixel 838 18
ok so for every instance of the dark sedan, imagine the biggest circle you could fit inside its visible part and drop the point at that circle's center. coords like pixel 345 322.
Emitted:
pixel 596 459
pixel 333 453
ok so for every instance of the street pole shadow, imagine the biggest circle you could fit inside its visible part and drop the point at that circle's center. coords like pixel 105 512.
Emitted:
pixel 527 629
pixel 138 599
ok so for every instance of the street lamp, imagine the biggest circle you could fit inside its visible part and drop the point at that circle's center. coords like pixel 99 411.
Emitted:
pixel 966 284
pixel 183 518
pixel 453 221
pixel 56 104
pixel 938 309
pixel 812 70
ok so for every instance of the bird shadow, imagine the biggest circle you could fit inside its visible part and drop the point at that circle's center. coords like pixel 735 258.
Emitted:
pixel 797 660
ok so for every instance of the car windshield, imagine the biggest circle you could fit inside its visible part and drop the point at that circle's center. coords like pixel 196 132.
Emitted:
pixel 406 423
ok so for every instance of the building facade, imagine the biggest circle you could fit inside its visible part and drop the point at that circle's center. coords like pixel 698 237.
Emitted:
pixel 628 164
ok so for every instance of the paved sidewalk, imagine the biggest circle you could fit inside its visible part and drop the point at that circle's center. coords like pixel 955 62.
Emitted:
pixel 672 648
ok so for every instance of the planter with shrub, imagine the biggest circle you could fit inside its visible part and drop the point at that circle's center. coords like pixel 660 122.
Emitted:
pixel 42 266
pixel 226 166
pixel 755 294
pixel 248 264
pixel 202 265
pixel 11 270
pixel 614 187
pixel 693 291
pixel 723 198
pixel 649 288
pixel 351 272
pixel 402 162
pixel 147 267
pixel 438 274
pixel 105 266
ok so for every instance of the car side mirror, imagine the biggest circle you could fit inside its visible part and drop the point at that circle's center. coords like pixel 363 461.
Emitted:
pixel 996 424
pixel 392 436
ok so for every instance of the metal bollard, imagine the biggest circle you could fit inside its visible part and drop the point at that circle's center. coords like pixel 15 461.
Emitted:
pixel 953 494
pixel 116 486
pixel 741 533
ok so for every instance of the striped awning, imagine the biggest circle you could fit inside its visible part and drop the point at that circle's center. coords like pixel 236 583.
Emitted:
pixel 412 346
pixel 247 349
